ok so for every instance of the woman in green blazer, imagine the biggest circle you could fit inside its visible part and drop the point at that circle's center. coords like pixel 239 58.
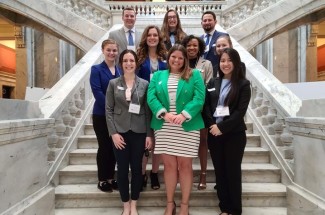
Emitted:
pixel 176 97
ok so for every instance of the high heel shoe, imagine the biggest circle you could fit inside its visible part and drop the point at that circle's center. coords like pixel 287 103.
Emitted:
pixel 185 205
pixel 202 185
pixel 174 208
pixel 144 181
pixel 155 185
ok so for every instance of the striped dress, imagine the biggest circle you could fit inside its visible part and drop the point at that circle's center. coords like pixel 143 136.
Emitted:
pixel 171 139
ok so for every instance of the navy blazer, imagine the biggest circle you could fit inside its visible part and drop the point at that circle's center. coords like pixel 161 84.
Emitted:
pixel 211 55
pixel 99 78
pixel 237 109
pixel 145 70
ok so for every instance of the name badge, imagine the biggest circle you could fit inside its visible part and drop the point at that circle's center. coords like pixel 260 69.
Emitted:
pixel 134 108
pixel 211 89
pixel 131 48
pixel 221 111
pixel 120 88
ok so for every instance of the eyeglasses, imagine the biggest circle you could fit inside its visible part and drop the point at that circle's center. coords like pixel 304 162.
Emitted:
pixel 172 17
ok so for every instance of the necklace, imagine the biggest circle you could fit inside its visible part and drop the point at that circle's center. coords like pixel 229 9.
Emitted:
pixel 153 64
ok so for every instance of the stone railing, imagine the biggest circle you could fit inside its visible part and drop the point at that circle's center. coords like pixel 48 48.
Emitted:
pixel 87 10
pixel 69 102
pixel 242 10
pixel 160 8
pixel 101 12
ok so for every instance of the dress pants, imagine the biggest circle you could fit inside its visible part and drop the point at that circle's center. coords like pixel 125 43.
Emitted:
pixel 227 153
pixel 130 156
pixel 105 155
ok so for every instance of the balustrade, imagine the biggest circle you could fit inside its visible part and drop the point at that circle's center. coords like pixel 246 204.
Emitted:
pixel 100 14
pixel 242 10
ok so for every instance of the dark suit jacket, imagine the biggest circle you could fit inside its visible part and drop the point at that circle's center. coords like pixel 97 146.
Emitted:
pixel 99 78
pixel 118 117
pixel 119 36
pixel 144 69
pixel 237 109
pixel 211 55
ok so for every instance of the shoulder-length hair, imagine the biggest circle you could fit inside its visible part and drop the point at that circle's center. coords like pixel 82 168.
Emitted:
pixel 186 71
pixel 188 38
pixel 143 50
pixel 179 34
pixel 236 74
pixel 109 41
pixel 126 51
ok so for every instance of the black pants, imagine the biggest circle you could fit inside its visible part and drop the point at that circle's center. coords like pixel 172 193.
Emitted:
pixel 130 156
pixel 227 153
pixel 105 155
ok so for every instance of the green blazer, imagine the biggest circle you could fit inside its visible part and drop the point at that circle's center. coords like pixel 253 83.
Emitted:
pixel 190 98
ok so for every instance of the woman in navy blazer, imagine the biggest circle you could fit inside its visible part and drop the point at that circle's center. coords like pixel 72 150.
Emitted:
pixel 152 57
pixel 227 99
pixel 100 76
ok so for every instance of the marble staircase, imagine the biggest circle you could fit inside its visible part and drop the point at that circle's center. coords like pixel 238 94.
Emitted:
pixel 77 191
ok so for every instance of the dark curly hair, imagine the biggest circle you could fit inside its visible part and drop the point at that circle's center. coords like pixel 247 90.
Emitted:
pixel 188 38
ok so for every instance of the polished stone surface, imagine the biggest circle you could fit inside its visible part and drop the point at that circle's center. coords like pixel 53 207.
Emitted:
pixel 262 25
pixel 160 210
pixel 23 163
pixel 309 150
pixel 18 109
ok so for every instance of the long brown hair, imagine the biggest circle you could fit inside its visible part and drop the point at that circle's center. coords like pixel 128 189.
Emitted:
pixel 179 34
pixel 186 72
pixel 143 50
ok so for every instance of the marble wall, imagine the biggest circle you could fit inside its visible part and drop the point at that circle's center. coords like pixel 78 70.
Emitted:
pixel 307 194
pixel 24 166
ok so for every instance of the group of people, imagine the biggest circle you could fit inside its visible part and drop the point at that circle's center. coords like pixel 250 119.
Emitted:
pixel 175 95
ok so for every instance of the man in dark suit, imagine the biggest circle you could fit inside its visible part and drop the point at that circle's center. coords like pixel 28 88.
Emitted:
pixel 127 37
pixel 208 23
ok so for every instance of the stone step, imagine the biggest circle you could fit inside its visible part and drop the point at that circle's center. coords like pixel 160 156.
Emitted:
pixel 160 210
pixel 87 195
pixel 260 173
pixel 88 156
pixel 89 129
pixel 90 141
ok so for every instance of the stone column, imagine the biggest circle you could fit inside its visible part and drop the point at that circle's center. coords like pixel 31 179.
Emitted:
pixel 285 59
pixel 47 66
pixel 311 54
pixel 21 63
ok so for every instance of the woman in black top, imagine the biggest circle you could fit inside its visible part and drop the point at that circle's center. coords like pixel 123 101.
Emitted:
pixel 227 99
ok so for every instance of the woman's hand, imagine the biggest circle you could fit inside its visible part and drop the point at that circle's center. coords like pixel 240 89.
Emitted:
pixel 169 117
pixel 148 144
pixel 118 141
pixel 179 119
pixel 214 130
